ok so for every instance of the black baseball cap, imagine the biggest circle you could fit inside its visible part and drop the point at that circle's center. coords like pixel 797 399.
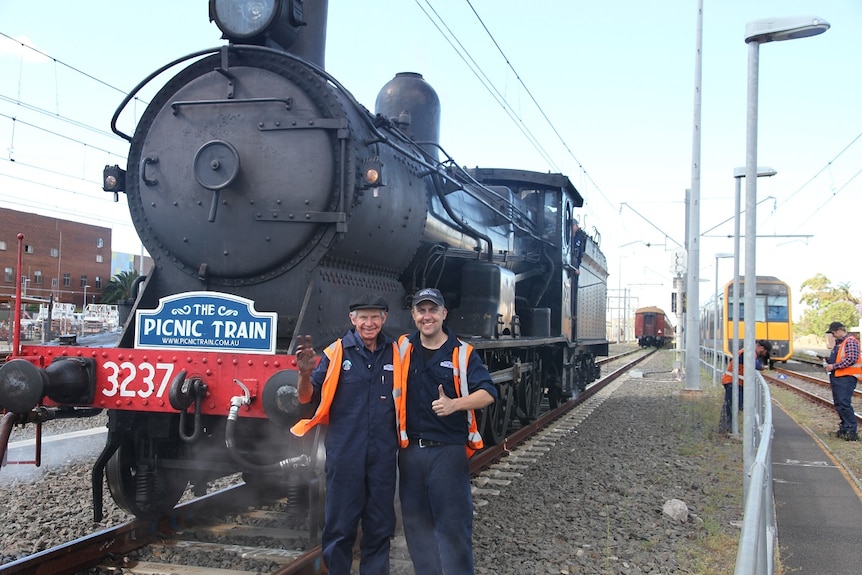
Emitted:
pixel 835 325
pixel 369 301
pixel 429 294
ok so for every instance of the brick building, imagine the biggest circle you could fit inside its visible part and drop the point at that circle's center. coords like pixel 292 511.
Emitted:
pixel 64 258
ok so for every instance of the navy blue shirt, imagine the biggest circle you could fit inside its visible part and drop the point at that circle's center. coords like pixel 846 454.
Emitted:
pixel 362 410
pixel 422 381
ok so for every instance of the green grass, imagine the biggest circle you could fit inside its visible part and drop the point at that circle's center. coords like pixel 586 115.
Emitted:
pixel 713 550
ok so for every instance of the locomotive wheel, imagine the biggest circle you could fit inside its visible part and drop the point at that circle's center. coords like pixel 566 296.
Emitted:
pixel 554 396
pixel 494 420
pixel 123 477
pixel 530 399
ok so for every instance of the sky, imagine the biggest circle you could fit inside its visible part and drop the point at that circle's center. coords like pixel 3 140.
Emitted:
pixel 603 92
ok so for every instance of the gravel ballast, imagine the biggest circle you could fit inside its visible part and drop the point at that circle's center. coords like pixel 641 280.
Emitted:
pixel 592 502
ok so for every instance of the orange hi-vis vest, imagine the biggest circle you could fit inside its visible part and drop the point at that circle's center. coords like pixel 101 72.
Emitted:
pixel 460 357
pixel 855 369
pixel 728 375
pixel 334 352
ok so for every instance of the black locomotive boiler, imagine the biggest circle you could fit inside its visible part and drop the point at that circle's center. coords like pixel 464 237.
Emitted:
pixel 254 175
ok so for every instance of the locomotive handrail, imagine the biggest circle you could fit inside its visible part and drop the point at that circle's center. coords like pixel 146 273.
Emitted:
pixel 456 171
pixel 288 103
pixel 438 189
pixel 146 81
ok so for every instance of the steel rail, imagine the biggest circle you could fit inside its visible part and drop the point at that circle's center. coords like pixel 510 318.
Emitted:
pixel 810 379
pixel 813 397
pixel 89 551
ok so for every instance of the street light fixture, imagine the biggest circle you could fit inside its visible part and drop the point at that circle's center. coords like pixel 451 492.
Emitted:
pixel 759 32
pixel 738 174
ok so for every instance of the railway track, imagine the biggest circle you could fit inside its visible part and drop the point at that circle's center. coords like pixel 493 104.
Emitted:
pixel 235 524
pixel 806 383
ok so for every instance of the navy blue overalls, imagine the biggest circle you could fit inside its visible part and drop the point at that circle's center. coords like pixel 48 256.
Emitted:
pixel 361 456
pixel 436 503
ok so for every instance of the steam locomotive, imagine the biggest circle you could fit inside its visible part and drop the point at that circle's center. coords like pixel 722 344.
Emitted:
pixel 268 198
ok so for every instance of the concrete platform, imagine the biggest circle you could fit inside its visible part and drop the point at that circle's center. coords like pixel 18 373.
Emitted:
pixel 818 505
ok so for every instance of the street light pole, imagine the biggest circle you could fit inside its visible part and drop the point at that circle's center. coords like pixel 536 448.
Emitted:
pixel 85 299
pixel 692 305
pixel 759 32
pixel 738 174
pixel 715 322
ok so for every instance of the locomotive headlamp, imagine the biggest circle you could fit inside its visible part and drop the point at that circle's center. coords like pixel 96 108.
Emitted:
pixel 372 174
pixel 114 180
pixel 244 19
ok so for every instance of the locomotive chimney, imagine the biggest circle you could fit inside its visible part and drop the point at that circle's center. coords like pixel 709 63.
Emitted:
pixel 310 44
pixel 410 103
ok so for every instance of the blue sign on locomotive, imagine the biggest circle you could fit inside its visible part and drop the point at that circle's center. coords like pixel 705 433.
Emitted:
pixel 206 321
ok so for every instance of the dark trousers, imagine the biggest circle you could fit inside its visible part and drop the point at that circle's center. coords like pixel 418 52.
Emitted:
pixel 842 394
pixel 727 414
pixel 359 488
pixel 437 509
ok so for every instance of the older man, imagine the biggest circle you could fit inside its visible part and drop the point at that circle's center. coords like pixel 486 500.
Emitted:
pixel 355 377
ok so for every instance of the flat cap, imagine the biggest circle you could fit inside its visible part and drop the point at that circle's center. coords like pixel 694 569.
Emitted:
pixel 369 301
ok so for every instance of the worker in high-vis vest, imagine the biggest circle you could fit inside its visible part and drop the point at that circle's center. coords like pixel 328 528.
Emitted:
pixel 762 349
pixel 844 367
pixel 355 379
pixel 445 383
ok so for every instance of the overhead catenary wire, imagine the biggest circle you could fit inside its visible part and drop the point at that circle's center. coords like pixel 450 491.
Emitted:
pixel 476 69
pixel 96 215
pixel 501 100
pixel 61 63
pixel 539 107
pixel 61 136
pixel 16 122
pixel 823 169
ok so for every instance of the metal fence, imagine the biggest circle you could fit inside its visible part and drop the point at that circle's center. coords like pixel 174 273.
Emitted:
pixel 757 541
pixel 756 552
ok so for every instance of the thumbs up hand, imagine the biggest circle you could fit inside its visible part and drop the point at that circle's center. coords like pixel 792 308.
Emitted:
pixel 443 405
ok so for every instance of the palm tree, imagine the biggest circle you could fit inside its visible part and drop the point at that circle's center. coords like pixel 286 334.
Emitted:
pixel 842 293
pixel 119 289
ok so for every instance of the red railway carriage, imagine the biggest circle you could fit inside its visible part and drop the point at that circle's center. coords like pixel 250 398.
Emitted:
pixel 652 327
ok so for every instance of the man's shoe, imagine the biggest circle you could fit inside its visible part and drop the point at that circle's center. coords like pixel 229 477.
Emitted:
pixel 851 436
pixel 839 434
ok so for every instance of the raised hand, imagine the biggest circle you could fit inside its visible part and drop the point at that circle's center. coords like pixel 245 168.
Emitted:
pixel 305 356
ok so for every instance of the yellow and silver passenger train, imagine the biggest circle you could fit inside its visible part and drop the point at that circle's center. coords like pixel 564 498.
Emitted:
pixel 772 315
